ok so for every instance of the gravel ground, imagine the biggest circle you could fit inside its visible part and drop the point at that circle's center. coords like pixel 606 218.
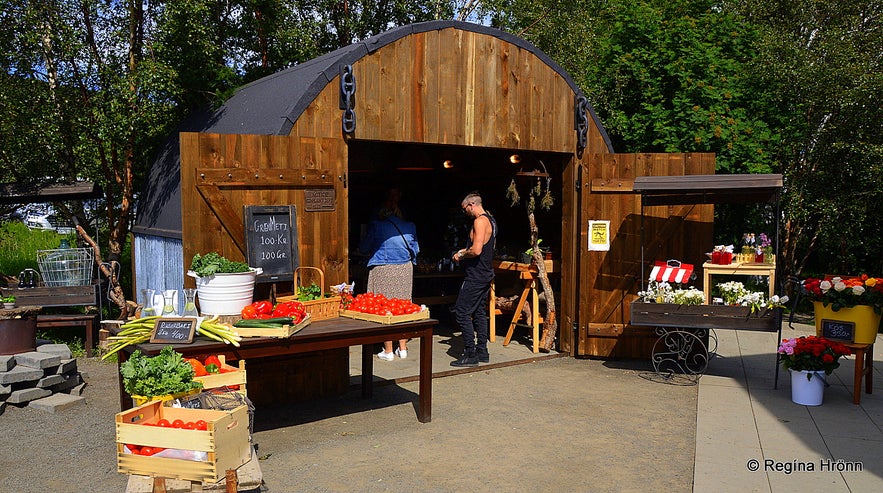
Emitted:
pixel 556 425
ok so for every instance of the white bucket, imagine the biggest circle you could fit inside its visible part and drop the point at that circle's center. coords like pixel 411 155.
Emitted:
pixel 224 294
pixel 807 392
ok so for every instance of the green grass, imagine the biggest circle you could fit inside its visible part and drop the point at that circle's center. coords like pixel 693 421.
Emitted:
pixel 19 245
pixel 62 336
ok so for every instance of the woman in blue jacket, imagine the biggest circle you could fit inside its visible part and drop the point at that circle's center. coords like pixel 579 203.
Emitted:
pixel 391 243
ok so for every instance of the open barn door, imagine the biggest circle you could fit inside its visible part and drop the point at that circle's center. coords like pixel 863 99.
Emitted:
pixel 609 279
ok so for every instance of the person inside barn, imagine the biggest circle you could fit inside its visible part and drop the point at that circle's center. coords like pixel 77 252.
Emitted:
pixel 471 307
pixel 391 243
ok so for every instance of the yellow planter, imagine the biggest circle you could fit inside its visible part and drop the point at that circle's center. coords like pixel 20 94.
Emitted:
pixel 166 399
pixel 866 321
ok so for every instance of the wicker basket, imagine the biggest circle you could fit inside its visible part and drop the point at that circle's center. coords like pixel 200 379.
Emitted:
pixel 321 309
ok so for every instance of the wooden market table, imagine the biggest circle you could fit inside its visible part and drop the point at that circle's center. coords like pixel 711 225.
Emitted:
pixel 334 333
pixel 737 269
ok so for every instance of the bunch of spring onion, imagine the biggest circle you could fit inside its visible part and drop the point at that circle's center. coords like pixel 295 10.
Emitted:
pixel 138 331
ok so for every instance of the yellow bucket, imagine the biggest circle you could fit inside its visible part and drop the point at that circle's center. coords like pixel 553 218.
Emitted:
pixel 166 399
pixel 866 321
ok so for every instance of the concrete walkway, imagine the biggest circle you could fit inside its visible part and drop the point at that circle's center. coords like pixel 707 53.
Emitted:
pixel 751 437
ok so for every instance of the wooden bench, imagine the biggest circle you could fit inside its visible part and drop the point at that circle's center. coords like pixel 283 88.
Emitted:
pixel 87 321
pixel 62 296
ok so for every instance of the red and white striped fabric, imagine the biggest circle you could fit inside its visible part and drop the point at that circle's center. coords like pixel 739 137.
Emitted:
pixel 671 271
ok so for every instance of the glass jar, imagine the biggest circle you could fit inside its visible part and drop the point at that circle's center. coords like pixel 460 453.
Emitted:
pixel 189 303
pixel 168 308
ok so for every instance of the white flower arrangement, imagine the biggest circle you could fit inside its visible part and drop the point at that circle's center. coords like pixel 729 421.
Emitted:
pixel 662 292
pixel 734 293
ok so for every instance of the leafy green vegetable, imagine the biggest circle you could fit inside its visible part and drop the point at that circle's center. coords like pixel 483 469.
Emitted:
pixel 309 293
pixel 213 263
pixel 165 373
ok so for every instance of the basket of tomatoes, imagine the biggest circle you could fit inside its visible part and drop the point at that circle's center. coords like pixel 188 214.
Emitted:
pixel 378 308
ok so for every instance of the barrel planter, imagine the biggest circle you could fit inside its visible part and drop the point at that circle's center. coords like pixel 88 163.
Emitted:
pixel 225 294
pixel 864 320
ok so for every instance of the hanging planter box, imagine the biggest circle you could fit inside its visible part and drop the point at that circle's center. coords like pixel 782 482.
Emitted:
pixel 224 445
pixel 386 319
pixel 705 316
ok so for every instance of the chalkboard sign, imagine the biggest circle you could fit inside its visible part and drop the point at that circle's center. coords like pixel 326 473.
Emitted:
pixel 838 330
pixel 192 402
pixel 173 330
pixel 271 241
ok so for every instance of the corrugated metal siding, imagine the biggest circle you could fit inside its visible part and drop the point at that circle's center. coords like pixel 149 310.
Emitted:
pixel 159 264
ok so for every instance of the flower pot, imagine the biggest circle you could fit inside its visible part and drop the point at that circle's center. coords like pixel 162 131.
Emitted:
pixel 18 335
pixel 807 387
pixel 224 294
pixel 866 321
pixel 9 306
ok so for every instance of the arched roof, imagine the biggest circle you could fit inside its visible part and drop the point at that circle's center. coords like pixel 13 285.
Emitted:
pixel 272 105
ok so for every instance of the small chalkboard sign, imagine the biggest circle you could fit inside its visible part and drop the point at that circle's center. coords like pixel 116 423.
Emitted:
pixel 173 330
pixel 839 330
pixel 193 402
pixel 271 241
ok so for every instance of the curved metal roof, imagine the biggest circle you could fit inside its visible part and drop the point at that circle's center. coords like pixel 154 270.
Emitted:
pixel 271 106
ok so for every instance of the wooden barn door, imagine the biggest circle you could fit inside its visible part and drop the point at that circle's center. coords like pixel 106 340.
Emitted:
pixel 609 280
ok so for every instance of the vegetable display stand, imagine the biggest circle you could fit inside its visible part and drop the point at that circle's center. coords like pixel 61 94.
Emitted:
pixel 223 446
pixel 319 309
pixel 386 319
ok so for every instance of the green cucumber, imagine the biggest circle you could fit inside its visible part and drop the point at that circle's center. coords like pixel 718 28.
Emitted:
pixel 257 324
pixel 277 320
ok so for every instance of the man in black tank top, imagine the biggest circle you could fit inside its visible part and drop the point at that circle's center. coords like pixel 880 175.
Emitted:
pixel 471 308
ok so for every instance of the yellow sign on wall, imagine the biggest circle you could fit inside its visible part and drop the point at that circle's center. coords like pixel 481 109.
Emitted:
pixel 599 236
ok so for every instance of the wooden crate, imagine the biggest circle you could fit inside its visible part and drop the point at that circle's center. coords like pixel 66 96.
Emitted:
pixel 229 379
pixel 226 442
pixel 386 319
pixel 283 332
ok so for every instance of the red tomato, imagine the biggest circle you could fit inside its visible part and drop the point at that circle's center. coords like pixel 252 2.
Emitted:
pixel 133 448
pixel 147 451
pixel 201 425
pixel 157 450
pixel 178 423
pixel 164 423
pixel 190 425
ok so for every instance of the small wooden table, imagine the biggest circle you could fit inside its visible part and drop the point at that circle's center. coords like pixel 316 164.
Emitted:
pixel 864 367
pixel 528 274
pixel 332 333
pixel 736 269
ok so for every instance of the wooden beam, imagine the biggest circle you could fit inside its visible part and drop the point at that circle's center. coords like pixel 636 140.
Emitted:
pixel 230 220
pixel 264 177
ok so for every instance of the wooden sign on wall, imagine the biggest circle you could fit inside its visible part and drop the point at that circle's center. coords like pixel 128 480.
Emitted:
pixel 271 241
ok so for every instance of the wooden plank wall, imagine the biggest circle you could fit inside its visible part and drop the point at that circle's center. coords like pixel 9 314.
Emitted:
pixel 299 163
pixel 463 88
pixel 609 280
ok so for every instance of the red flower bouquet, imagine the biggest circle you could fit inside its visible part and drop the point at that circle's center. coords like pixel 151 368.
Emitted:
pixel 811 353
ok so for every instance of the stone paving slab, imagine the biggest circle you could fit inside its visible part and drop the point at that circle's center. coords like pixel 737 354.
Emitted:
pixel 57 402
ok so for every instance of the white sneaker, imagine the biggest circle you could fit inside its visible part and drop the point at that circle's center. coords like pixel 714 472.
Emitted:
pixel 386 356
pixel 402 353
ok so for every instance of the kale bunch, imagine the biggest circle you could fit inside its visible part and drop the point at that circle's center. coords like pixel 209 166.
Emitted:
pixel 213 263
pixel 165 373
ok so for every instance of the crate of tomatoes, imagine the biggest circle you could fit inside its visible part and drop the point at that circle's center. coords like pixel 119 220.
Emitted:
pixel 264 319
pixel 378 308
pixel 182 443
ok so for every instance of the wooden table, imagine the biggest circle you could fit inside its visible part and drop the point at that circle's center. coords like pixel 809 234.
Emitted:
pixel 321 335
pixel 737 269
pixel 528 274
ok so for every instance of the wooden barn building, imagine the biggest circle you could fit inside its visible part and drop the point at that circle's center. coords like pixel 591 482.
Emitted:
pixel 437 109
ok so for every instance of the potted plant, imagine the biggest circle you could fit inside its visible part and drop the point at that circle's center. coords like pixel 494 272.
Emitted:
pixel 224 287
pixel 856 300
pixel 9 302
pixel 809 359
